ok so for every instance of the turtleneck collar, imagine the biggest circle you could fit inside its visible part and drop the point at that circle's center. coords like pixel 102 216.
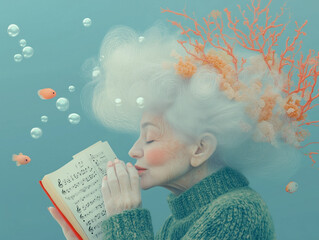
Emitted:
pixel 224 180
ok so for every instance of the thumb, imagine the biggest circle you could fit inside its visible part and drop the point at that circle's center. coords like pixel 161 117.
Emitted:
pixel 67 231
pixel 57 216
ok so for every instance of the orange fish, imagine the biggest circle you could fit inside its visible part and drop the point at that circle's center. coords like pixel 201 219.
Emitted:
pixel 46 93
pixel 21 159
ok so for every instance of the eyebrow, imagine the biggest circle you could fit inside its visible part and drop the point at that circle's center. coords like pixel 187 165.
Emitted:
pixel 148 123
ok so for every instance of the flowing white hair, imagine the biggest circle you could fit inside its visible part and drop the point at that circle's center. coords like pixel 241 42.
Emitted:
pixel 139 74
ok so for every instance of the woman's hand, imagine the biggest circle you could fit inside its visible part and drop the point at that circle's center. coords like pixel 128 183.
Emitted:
pixel 121 188
pixel 67 231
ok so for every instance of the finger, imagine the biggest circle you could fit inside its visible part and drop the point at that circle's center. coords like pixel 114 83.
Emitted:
pixel 106 192
pixel 135 179
pixel 67 231
pixel 122 176
pixel 112 180
pixel 57 216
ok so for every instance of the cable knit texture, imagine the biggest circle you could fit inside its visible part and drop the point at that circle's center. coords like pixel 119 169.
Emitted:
pixel 221 206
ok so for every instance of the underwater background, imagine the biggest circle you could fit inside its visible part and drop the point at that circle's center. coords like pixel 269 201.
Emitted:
pixel 64 53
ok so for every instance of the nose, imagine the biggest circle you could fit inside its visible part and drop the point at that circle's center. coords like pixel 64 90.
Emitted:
pixel 135 151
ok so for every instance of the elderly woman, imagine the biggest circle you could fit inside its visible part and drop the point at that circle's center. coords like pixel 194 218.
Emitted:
pixel 196 139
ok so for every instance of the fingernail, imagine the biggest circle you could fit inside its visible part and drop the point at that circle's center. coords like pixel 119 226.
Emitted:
pixel 109 163
pixel 129 164
pixel 116 160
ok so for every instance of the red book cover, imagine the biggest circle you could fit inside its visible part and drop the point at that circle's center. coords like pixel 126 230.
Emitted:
pixel 75 232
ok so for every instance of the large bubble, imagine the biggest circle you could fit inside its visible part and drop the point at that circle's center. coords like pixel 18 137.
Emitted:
pixel 27 52
pixel 13 30
pixel 18 57
pixel 62 104
pixel 87 22
pixel 36 132
pixel 74 118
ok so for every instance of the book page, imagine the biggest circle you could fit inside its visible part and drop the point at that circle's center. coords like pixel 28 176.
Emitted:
pixel 79 183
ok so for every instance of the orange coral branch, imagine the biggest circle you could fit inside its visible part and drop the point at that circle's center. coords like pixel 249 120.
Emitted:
pixel 291 46
pixel 310 155
pixel 208 37
pixel 308 144
pixel 306 69
pixel 252 41
pixel 261 38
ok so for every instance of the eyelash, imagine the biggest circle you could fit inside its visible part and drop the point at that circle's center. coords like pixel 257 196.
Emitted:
pixel 149 142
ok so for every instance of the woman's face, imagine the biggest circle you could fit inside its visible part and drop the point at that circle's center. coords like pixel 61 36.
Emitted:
pixel 159 150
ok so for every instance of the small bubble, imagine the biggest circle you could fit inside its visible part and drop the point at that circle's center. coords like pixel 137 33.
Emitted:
pixel 87 22
pixel 62 104
pixel 23 43
pixel 118 102
pixel 27 52
pixel 36 133
pixel 141 39
pixel 140 102
pixel 96 72
pixel 71 88
pixel 74 118
pixel 44 119
pixel 13 30
pixel 18 57
pixel 101 58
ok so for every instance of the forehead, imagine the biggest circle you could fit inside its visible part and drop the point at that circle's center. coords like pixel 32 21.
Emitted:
pixel 152 118
pixel 165 128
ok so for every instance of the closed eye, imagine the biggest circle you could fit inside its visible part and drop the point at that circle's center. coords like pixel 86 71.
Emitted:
pixel 149 142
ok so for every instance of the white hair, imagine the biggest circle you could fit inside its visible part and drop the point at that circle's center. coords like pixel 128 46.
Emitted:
pixel 133 68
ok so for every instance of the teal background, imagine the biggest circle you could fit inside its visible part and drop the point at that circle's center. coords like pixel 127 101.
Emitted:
pixel 62 45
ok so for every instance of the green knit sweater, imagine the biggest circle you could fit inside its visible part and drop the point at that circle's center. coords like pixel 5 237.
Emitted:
pixel 221 206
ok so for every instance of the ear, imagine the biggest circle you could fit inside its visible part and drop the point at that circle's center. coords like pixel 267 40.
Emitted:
pixel 203 148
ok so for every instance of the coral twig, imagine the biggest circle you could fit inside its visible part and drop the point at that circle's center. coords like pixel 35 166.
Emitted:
pixel 261 38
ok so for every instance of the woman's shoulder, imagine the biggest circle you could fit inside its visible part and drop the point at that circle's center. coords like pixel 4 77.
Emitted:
pixel 241 200
pixel 241 212
pixel 240 197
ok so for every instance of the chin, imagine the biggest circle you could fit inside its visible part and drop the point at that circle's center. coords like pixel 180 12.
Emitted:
pixel 145 186
pixel 145 183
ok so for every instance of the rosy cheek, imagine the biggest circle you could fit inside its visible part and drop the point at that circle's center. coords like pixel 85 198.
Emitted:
pixel 156 157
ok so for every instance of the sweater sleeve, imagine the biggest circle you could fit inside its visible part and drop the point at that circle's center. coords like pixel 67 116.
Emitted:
pixel 133 224
pixel 230 223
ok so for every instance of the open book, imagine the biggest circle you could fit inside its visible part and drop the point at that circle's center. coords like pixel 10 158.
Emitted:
pixel 75 190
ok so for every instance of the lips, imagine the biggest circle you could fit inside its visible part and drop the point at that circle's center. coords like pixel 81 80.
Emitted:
pixel 140 168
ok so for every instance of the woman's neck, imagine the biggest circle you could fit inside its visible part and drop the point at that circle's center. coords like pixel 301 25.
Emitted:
pixel 193 176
